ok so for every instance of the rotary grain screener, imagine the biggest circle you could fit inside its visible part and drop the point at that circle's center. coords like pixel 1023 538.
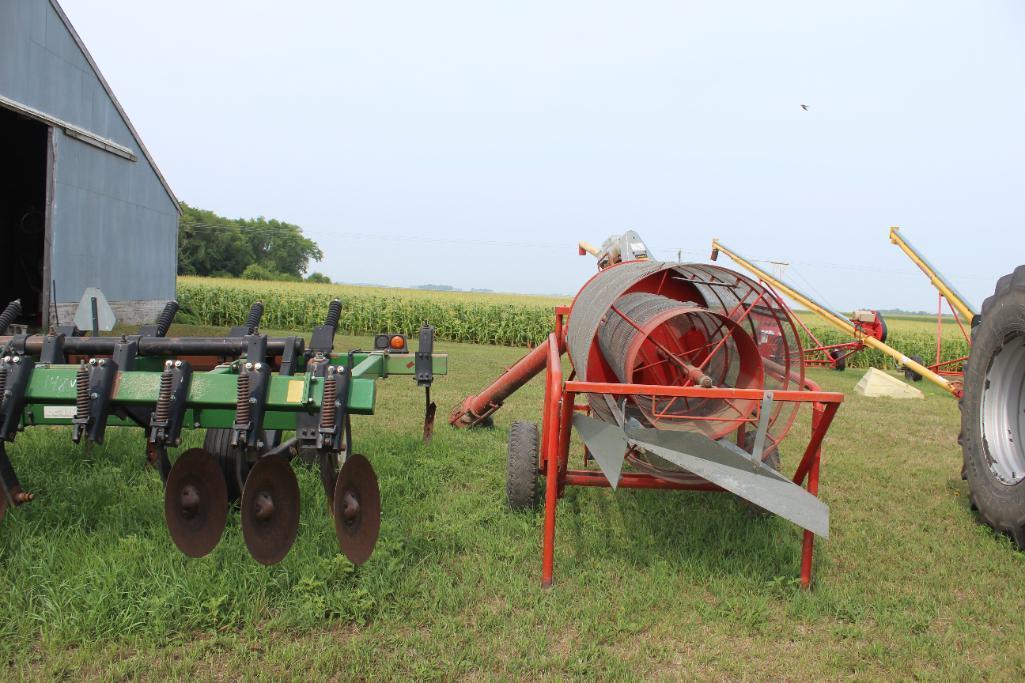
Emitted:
pixel 683 376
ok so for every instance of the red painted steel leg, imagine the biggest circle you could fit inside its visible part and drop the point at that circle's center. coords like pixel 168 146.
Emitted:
pixel 551 500
pixel 565 431
pixel 808 546
pixel 551 441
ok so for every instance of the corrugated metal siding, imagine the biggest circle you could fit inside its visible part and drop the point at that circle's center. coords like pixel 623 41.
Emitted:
pixel 106 233
pixel 113 224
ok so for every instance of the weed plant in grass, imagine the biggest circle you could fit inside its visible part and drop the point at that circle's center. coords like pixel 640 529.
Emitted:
pixel 648 584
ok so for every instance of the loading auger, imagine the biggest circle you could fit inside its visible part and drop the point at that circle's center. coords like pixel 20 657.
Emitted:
pixel 960 309
pixel 837 320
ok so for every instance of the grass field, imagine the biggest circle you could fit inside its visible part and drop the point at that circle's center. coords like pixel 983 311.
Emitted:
pixel 648 584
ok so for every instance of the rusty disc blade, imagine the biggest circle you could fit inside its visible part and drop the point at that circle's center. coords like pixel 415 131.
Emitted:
pixel 270 509
pixel 195 502
pixel 357 509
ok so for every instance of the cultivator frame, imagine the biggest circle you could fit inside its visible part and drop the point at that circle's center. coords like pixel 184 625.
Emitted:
pixel 248 387
pixel 560 405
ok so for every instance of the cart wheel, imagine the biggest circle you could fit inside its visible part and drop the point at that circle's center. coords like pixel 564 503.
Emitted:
pixel 992 431
pixel 839 360
pixel 910 374
pixel 521 484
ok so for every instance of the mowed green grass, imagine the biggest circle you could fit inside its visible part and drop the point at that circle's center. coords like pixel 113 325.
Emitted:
pixel 647 584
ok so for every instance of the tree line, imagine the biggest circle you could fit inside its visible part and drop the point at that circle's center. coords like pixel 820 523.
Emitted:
pixel 248 248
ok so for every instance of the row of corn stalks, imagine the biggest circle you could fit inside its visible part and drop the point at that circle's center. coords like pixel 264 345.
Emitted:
pixel 460 320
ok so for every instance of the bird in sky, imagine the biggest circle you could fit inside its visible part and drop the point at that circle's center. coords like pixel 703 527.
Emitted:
pixel 804 107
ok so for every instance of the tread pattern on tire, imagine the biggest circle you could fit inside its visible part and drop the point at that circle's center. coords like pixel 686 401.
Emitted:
pixel 521 484
pixel 998 505
pixel 218 443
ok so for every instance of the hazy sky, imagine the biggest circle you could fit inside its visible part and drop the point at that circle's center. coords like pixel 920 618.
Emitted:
pixel 473 143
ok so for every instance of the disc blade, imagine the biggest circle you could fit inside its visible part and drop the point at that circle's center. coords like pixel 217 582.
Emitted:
pixel 195 502
pixel 270 509
pixel 357 509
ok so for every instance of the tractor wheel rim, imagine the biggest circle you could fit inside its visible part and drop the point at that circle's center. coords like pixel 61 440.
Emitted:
pixel 1002 412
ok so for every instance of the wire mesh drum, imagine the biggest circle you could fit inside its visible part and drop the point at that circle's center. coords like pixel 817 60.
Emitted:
pixel 653 323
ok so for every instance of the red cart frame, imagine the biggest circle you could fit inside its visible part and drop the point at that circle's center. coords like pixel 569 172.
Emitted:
pixel 947 368
pixel 560 404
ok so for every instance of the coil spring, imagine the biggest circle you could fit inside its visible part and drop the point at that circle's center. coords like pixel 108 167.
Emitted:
pixel 253 319
pixel 327 413
pixel 166 317
pixel 82 391
pixel 334 312
pixel 3 381
pixel 164 397
pixel 12 311
pixel 242 401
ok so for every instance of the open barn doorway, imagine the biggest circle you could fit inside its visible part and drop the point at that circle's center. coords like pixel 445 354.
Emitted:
pixel 24 165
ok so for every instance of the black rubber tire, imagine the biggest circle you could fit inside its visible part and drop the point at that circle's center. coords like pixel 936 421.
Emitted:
pixel 522 485
pixel 218 442
pixel 910 374
pixel 1000 505
pixel 840 361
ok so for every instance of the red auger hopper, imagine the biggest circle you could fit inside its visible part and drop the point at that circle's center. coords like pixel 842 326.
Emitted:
pixel 684 376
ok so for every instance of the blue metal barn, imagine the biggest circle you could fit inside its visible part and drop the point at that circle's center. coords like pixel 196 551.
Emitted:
pixel 82 203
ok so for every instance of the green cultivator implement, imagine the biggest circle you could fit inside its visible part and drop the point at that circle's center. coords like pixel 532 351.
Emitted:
pixel 246 390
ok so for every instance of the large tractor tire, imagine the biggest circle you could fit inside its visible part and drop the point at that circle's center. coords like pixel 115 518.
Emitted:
pixel 993 409
pixel 522 484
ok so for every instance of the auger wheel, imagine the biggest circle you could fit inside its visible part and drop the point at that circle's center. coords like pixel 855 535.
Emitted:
pixel 522 485
pixel 993 409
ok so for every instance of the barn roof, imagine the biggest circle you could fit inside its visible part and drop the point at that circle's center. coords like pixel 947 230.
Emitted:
pixel 117 105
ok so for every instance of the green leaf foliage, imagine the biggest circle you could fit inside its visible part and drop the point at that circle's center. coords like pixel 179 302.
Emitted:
pixel 212 245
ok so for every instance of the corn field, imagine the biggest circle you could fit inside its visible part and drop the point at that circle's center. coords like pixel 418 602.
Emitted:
pixel 465 318
pixel 499 319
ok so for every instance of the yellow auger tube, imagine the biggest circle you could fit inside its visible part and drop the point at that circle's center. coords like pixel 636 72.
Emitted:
pixel 835 320
pixel 935 277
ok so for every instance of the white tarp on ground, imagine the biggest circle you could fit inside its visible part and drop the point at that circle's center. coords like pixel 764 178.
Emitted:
pixel 878 383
